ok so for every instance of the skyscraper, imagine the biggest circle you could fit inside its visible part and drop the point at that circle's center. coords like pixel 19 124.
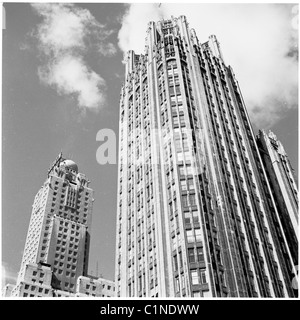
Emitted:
pixel 196 215
pixel 55 258
pixel 283 185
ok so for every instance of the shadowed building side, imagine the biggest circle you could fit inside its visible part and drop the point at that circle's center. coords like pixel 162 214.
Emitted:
pixel 284 188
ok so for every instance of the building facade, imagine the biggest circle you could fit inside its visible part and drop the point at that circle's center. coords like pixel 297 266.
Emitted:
pixel 56 253
pixel 95 287
pixel 283 185
pixel 196 214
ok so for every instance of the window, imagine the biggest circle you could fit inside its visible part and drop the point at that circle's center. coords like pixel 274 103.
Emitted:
pixel 177 88
pixel 185 145
pixel 198 235
pixel 182 281
pixel 184 201
pixel 140 283
pixel 190 236
pixel 195 277
pixel 191 184
pixel 183 185
pixel 195 217
pixel 175 262
pixel 200 255
pixel 174 243
pixel 203 277
pixel 178 146
pixel 175 120
pixel 191 255
pixel 187 218
pixel 181 171
pixel 182 122
pixel 180 259
pixel 172 92
pixel 192 200
pixel 189 170
pixel 177 285
pixel 180 156
pixel 170 204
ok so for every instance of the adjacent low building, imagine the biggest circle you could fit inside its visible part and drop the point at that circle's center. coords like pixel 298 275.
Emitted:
pixel 95 287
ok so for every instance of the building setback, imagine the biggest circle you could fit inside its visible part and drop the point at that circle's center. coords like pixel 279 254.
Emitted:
pixel 196 214
pixel 55 258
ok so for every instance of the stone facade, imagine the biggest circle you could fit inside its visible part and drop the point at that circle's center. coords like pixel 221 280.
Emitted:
pixel 196 216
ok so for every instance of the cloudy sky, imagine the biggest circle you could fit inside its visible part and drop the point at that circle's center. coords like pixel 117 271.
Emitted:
pixel 62 72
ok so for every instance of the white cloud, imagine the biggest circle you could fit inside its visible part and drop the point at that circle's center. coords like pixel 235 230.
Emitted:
pixel 258 40
pixel 63 40
pixel 108 49
pixel 70 75
pixel 134 25
pixel 63 26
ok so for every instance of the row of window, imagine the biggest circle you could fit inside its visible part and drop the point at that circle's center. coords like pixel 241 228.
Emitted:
pixel 30 288
pixel 67 273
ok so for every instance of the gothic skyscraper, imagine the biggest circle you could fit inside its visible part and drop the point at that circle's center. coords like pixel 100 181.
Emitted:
pixel 196 214
pixel 56 253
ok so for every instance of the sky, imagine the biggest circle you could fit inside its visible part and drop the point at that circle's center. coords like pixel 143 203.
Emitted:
pixel 62 73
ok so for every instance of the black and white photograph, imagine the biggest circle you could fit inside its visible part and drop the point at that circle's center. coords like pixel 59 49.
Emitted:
pixel 149 151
